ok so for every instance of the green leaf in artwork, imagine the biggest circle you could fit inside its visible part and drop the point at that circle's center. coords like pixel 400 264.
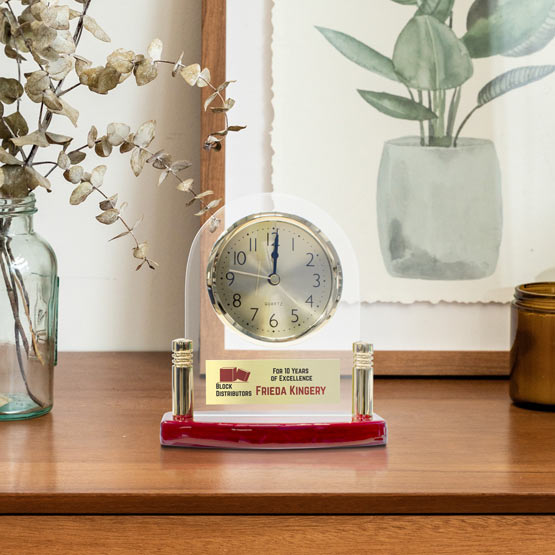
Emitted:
pixel 360 53
pixel 511 80
pixel 406 2
pixel 509 27
pixel 440 9
pixel 397 106
pixel 429 56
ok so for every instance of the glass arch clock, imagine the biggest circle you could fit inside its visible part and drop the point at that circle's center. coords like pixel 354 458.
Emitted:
pixel 273 357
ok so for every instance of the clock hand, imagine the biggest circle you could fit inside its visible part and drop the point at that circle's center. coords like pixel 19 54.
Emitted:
pixel 241 273
pixel 275 254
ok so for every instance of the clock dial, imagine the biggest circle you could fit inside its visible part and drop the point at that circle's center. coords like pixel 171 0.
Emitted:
pixel 274 277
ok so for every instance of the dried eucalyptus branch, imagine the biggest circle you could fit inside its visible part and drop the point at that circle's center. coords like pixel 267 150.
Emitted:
pixel 42 38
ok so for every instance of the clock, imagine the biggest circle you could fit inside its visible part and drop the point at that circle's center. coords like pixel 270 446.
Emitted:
pixel 274 277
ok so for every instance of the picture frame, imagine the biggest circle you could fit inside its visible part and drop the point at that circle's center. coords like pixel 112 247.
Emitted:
pixel 441 363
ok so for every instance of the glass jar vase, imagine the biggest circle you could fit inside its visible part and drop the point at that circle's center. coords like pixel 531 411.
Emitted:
pixel 28 313
pixel 533 345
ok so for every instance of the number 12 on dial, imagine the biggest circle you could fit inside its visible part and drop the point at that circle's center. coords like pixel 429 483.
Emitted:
pixel 274 277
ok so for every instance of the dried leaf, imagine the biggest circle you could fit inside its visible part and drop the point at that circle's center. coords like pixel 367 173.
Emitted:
pixel 91 137
pixel 203 78
pixel 186 185
pixel 94 28
pixel 191 74
pixel 59 69
pixel 63 160
pixel 127 145
pixel 236 127
pixel 108 203
pixel 17 124
pixel 162 177
pixel 74 174
pixel 13 54
pixel 117 132
pixel 37 82
pixel 203 194
pixel 103 148
pixel 214 224
pixel 154 50
pixel 7 158
pixel 56 17
pixel 161 160
pixel 56 139
pixel 209 100
pixel 145 72
pixel 62 44
pixel 180 165
pixel 80 193
pixel 224 85
pixel 108 217
pixel 35 179
pixel 138 160
pixel 121 60
pixel 119 236
pixel 81 65
pixel 145 134
pixel 141 251
pixel 208 207
pixel 15 183
pixel 37 138
pixel 177 64
pixel 76 156
pixel 51 101
pixel 97 176
pixel 10 90
pixel 69 111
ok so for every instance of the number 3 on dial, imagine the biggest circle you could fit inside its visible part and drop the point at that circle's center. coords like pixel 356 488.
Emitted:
pixel 274 277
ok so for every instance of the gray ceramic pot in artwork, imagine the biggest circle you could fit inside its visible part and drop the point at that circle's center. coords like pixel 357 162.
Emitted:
pixel 440 209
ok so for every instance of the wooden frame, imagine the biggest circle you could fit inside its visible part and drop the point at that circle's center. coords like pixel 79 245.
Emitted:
pixel 413 363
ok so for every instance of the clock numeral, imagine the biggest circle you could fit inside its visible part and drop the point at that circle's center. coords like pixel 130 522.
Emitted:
pixel 236 300
pixel 239 257
pixel 317 278
pixel 309 301
pixel 273 322
pixel 311 258
pixel 253 243
pixel 294 315
pixel 230 276
pixel 255 313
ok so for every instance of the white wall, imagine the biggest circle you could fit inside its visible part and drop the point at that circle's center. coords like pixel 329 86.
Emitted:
pixel 104 303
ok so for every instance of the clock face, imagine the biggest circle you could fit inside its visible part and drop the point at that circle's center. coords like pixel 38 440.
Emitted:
pixel 274 277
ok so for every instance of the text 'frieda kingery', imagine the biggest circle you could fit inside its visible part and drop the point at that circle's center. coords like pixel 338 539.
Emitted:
pixel 292 390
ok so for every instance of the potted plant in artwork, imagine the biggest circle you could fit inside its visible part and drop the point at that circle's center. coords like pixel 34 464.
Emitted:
pixel 439 196
pixel 41 67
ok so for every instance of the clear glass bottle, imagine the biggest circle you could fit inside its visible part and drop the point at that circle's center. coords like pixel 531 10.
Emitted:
pixel 28 313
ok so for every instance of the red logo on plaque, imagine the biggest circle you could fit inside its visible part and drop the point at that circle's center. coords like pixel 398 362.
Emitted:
pixel 233 374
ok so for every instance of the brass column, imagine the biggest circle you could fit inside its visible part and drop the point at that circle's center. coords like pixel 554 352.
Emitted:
pixel 363 380
pixel 182 378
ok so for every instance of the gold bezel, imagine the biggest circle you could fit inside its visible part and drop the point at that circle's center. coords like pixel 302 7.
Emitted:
pixel 317 235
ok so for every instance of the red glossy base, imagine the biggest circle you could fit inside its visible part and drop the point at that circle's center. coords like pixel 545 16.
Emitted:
pixel 188 433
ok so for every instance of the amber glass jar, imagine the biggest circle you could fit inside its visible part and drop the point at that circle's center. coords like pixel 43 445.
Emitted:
pixel 533 345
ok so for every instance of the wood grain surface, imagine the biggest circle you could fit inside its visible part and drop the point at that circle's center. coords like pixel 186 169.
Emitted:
pixel 455 446
pixel 385 535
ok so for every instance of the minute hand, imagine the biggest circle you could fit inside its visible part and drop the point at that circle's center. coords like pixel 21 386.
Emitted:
pixel 275 254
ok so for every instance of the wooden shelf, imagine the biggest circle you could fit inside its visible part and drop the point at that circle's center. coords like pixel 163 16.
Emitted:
pixel 455 446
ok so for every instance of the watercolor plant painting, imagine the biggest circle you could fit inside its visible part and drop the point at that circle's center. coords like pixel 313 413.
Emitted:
pixel 439 200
